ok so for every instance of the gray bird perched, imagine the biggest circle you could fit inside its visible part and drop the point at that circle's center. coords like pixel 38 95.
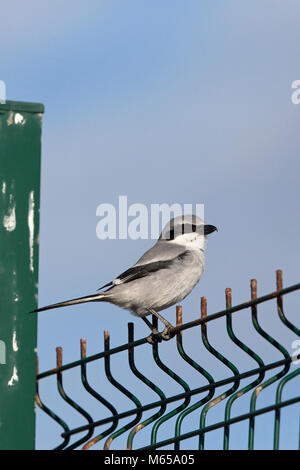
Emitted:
pixel 163 276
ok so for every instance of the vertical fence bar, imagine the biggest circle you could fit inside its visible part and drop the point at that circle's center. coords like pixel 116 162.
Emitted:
pixel 125 392
pixel 272 379
pixel 177 379
pixel 225 361
pixel 240 392
pixel 149 383
pixel 201 370
pixel 51 413
pixel 98 397
pixel 20 149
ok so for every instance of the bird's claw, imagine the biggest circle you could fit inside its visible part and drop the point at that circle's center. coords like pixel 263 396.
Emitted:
pixel 155 337
pixel 168 333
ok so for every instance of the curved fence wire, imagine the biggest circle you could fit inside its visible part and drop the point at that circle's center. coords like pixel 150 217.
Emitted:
pixel 192 401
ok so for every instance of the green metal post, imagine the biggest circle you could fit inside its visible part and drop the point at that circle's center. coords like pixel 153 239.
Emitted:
pixel 20 149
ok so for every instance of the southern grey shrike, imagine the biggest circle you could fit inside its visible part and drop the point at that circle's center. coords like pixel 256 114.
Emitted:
pixel 163 276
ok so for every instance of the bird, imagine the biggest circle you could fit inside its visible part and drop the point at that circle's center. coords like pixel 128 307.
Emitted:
pixel 163 276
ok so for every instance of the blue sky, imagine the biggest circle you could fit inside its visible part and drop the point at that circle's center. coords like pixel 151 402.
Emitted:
pixel 170 101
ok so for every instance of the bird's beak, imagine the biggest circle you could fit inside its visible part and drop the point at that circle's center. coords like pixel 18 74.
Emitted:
pixel 209 229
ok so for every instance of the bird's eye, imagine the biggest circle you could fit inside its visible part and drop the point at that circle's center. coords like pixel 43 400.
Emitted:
pixel 186 228
pixel 189 228
pixel 181 230
pixel 171 235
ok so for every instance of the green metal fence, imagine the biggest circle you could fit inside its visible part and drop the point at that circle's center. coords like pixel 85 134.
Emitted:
pixel 207 396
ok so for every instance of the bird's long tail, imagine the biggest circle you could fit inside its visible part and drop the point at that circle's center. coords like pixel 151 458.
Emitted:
pixel 79 300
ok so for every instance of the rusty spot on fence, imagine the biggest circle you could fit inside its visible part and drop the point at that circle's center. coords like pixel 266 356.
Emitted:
pixel 90 443
pixel 217 400
pixel 37 400
pixel 253 289
pixel 279 281
pixel 178 316
pixel 228 297
pixel 138 428
pixel 59 352
pixel 203 308
pixel 83 347
pixel 135 430
pixel 107 443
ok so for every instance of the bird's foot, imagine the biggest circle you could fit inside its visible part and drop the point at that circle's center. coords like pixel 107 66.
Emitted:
pixel 155 337
pixel 168 332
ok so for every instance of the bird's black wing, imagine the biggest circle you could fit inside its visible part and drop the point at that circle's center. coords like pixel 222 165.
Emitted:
pixel 137 272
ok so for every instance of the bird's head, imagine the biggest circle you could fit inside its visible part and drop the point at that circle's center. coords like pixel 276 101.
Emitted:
pixel 187 230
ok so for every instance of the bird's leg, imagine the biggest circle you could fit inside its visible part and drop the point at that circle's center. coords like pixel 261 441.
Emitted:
pixel 169 330
pixel 155 336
